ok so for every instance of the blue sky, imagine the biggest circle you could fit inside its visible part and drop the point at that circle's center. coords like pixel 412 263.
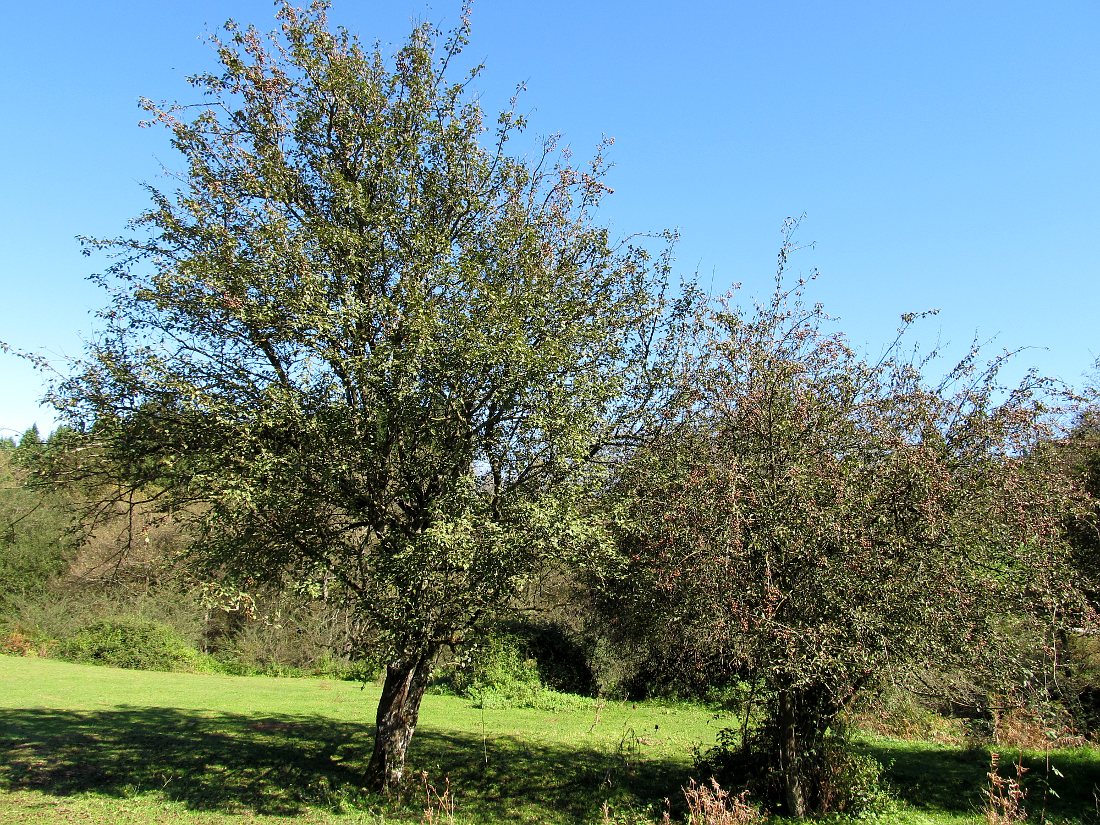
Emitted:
pixel 945 154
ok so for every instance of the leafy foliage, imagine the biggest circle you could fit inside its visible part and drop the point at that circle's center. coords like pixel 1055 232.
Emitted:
pixel 500 672
pixel 363 341
pixel 805 518
pixel 1081 454
pixel 497 665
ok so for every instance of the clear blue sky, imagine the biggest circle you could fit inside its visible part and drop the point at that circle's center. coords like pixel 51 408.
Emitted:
pixel 945 153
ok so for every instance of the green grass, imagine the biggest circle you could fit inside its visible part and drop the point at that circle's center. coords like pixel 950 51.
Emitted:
pixel 82 744
pixel 78 740
pixel 948 782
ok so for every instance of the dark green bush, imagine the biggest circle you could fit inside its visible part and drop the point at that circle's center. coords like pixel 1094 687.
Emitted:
pixel 130 642
pixel 853 783
pixel 498 672
pixel 35 541
pixel 332 667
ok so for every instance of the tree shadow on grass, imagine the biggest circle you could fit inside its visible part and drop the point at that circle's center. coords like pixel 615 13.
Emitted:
pixel 207 761
pixel 954 779
pixel 511 780
pixel 282 764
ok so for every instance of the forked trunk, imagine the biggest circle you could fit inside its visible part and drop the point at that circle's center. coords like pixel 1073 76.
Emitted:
pixel 398 709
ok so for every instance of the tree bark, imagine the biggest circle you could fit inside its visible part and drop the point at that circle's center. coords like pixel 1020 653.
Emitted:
pixel 794 794
pixel 398 710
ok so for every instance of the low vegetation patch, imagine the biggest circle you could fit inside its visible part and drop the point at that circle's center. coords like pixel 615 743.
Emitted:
pixel 130 643
pixel 502 672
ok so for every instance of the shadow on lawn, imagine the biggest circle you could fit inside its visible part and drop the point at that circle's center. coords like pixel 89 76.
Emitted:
pixel 278 765
pixel 953 779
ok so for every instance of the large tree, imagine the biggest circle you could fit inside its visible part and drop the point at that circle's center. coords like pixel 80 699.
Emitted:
pixel 805 519
pixel 363 342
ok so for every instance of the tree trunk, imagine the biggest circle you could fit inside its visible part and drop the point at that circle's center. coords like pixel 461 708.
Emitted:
pixel 794 792
pixel 398 709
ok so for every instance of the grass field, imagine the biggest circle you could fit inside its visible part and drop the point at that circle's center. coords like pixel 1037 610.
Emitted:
pixel 81 744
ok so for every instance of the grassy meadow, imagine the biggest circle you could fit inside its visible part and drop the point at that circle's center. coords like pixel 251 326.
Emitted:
pixel 84 744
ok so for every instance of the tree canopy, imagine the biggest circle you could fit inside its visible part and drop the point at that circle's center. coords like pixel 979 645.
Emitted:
pixel 806 519
pixel 363 341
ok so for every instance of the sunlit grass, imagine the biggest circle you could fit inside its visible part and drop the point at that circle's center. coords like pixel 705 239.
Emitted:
pixel 81 744
pixel 281 747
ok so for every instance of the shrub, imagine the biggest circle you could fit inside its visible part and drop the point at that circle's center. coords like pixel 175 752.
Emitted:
pixel 498 668
pixel 499 673
pixel 845 781
pixel 35 541
pixel 282 634
pixel 852 783
pixel 332 667
pixel 560 659
pixel 1081 658
pixel 16 643
pixel 130 642
pixel 49 616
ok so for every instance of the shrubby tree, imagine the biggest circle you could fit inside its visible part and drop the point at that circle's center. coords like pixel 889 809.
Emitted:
pixel 1080 454
pixel 364 344
pixel 804 518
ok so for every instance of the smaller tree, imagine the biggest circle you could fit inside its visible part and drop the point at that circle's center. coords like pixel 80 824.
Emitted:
pixel 804 518
pixel 31 441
